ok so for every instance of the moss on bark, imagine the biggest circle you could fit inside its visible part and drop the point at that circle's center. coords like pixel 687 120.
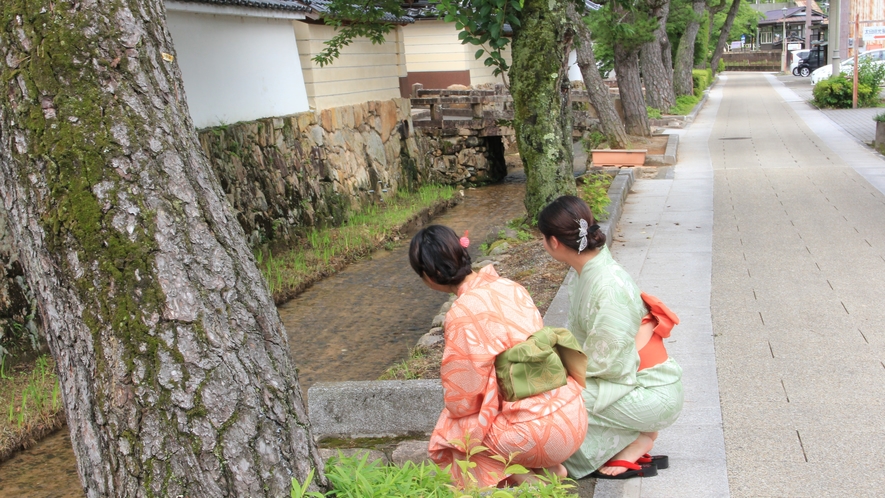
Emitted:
pixel 540 95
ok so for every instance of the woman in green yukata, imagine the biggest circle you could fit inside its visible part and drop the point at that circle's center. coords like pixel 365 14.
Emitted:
pixel 633 388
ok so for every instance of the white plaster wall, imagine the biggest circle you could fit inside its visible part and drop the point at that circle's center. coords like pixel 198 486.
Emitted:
pixel 237 68
pixel 364 71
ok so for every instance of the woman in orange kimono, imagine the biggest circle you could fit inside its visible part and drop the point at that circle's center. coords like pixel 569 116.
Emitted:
pixel 491 315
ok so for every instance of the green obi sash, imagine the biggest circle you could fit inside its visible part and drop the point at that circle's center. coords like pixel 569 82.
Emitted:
pixel 540 363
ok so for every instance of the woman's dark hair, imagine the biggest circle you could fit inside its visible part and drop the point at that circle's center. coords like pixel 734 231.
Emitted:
pixel 561 219
pixel 436 251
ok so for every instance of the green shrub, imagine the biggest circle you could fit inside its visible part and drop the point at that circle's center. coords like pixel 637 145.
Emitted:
pixel 701 79
pixel 836 92
pixel 879 117
pixel 653 113
pixel 872 75
pixel 721 66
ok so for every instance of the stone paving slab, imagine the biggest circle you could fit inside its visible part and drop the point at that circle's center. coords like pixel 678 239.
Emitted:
pixel 803 203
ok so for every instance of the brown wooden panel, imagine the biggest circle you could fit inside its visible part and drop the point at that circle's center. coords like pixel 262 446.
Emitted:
pixel 433 79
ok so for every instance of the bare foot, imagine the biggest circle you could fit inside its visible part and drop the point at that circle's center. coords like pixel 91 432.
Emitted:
pixel 642 445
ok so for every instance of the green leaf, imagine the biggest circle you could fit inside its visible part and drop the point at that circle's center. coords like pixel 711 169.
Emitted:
pixel 479 53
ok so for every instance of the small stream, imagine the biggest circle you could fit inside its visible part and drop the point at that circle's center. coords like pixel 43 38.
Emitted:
pixel 351 326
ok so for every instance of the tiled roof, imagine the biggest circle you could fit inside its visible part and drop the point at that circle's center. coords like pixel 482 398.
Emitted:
pixel 322 7
pixel 290 5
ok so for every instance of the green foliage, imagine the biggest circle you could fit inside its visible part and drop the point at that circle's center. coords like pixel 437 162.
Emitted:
pixel 356 20
pixel 701 79
pixel 356 477
pixel 879 117
pixel 611 27
pixel 871 74
pixel 745 22
pixel 684 105
pixel 720 66
pixel 593 189
pixel 836 91
pixel 481 23
pixel 653 113
pixel 592 141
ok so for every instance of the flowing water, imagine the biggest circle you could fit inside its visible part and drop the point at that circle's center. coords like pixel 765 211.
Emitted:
pixel 351 326
pixel 358 323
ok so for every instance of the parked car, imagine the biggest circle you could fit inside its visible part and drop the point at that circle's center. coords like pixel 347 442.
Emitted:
pixel 798 55
pixel 815 59
pixel 847 66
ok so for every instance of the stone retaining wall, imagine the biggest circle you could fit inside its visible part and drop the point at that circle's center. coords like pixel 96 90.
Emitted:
pixel 313 169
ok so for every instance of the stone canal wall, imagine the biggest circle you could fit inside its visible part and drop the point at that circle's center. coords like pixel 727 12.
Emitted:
pixel 312 169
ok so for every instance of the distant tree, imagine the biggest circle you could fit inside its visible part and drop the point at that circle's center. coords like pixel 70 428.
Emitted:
pixel 624 29
pixel 685 52
pixel 609 121
pixel 656 61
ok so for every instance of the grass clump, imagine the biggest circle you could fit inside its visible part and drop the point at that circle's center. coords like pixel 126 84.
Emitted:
pixel 321 252
pixel 421 364
pixel 31 403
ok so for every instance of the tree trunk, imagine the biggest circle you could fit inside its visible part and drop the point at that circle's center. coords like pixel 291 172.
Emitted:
pixel 173 362
pixel 542 117
pixel 723 35
pixel 682 81
pixel 600 98
pixel 630 85
pixel 657 76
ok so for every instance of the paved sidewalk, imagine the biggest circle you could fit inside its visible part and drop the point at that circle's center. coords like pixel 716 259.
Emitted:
pixel 769 244
pixel 857 122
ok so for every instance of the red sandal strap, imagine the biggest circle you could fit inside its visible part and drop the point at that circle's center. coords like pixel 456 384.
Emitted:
pixel 623 463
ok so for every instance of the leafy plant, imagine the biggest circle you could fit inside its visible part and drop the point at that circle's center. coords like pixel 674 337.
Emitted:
pixel 594 191
pixel 879 117
pixel 355 476
pixel 653 113
pixel 592 141
pixel 836 91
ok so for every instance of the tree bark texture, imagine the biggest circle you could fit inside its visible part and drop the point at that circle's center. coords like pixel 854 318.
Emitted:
pixel 630 85
pixel 657 76
pixel 597 90
pixel 542 117
pixel 723 35
pixel 682 81
pixel 174 365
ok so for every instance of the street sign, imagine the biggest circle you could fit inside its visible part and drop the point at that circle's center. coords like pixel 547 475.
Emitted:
pixel 872 33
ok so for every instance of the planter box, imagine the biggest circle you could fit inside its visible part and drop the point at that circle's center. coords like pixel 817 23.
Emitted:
pixel 618 157
pixel 879 144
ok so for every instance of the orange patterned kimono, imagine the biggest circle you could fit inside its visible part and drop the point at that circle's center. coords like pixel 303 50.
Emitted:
pixel 490 315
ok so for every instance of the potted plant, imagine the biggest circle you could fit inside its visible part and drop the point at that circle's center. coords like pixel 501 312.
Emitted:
pixel 595 145
pixel 619 157
pixel 879 143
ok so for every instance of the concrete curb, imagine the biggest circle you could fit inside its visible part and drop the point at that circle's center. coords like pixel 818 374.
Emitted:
pixel 362 409
pixel 668 158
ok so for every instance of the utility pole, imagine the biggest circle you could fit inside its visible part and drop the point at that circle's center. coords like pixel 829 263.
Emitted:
pixel 833 35
pixel 808 13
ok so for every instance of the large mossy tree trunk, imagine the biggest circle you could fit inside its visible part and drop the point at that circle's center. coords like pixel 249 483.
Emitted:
pixel 173 362
pixel 658 76
pixel 723 35
pixel 597 90
pixel 542 117
pixel 682 81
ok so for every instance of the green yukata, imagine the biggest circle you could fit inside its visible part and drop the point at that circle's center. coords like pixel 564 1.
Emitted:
pixel 604 315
